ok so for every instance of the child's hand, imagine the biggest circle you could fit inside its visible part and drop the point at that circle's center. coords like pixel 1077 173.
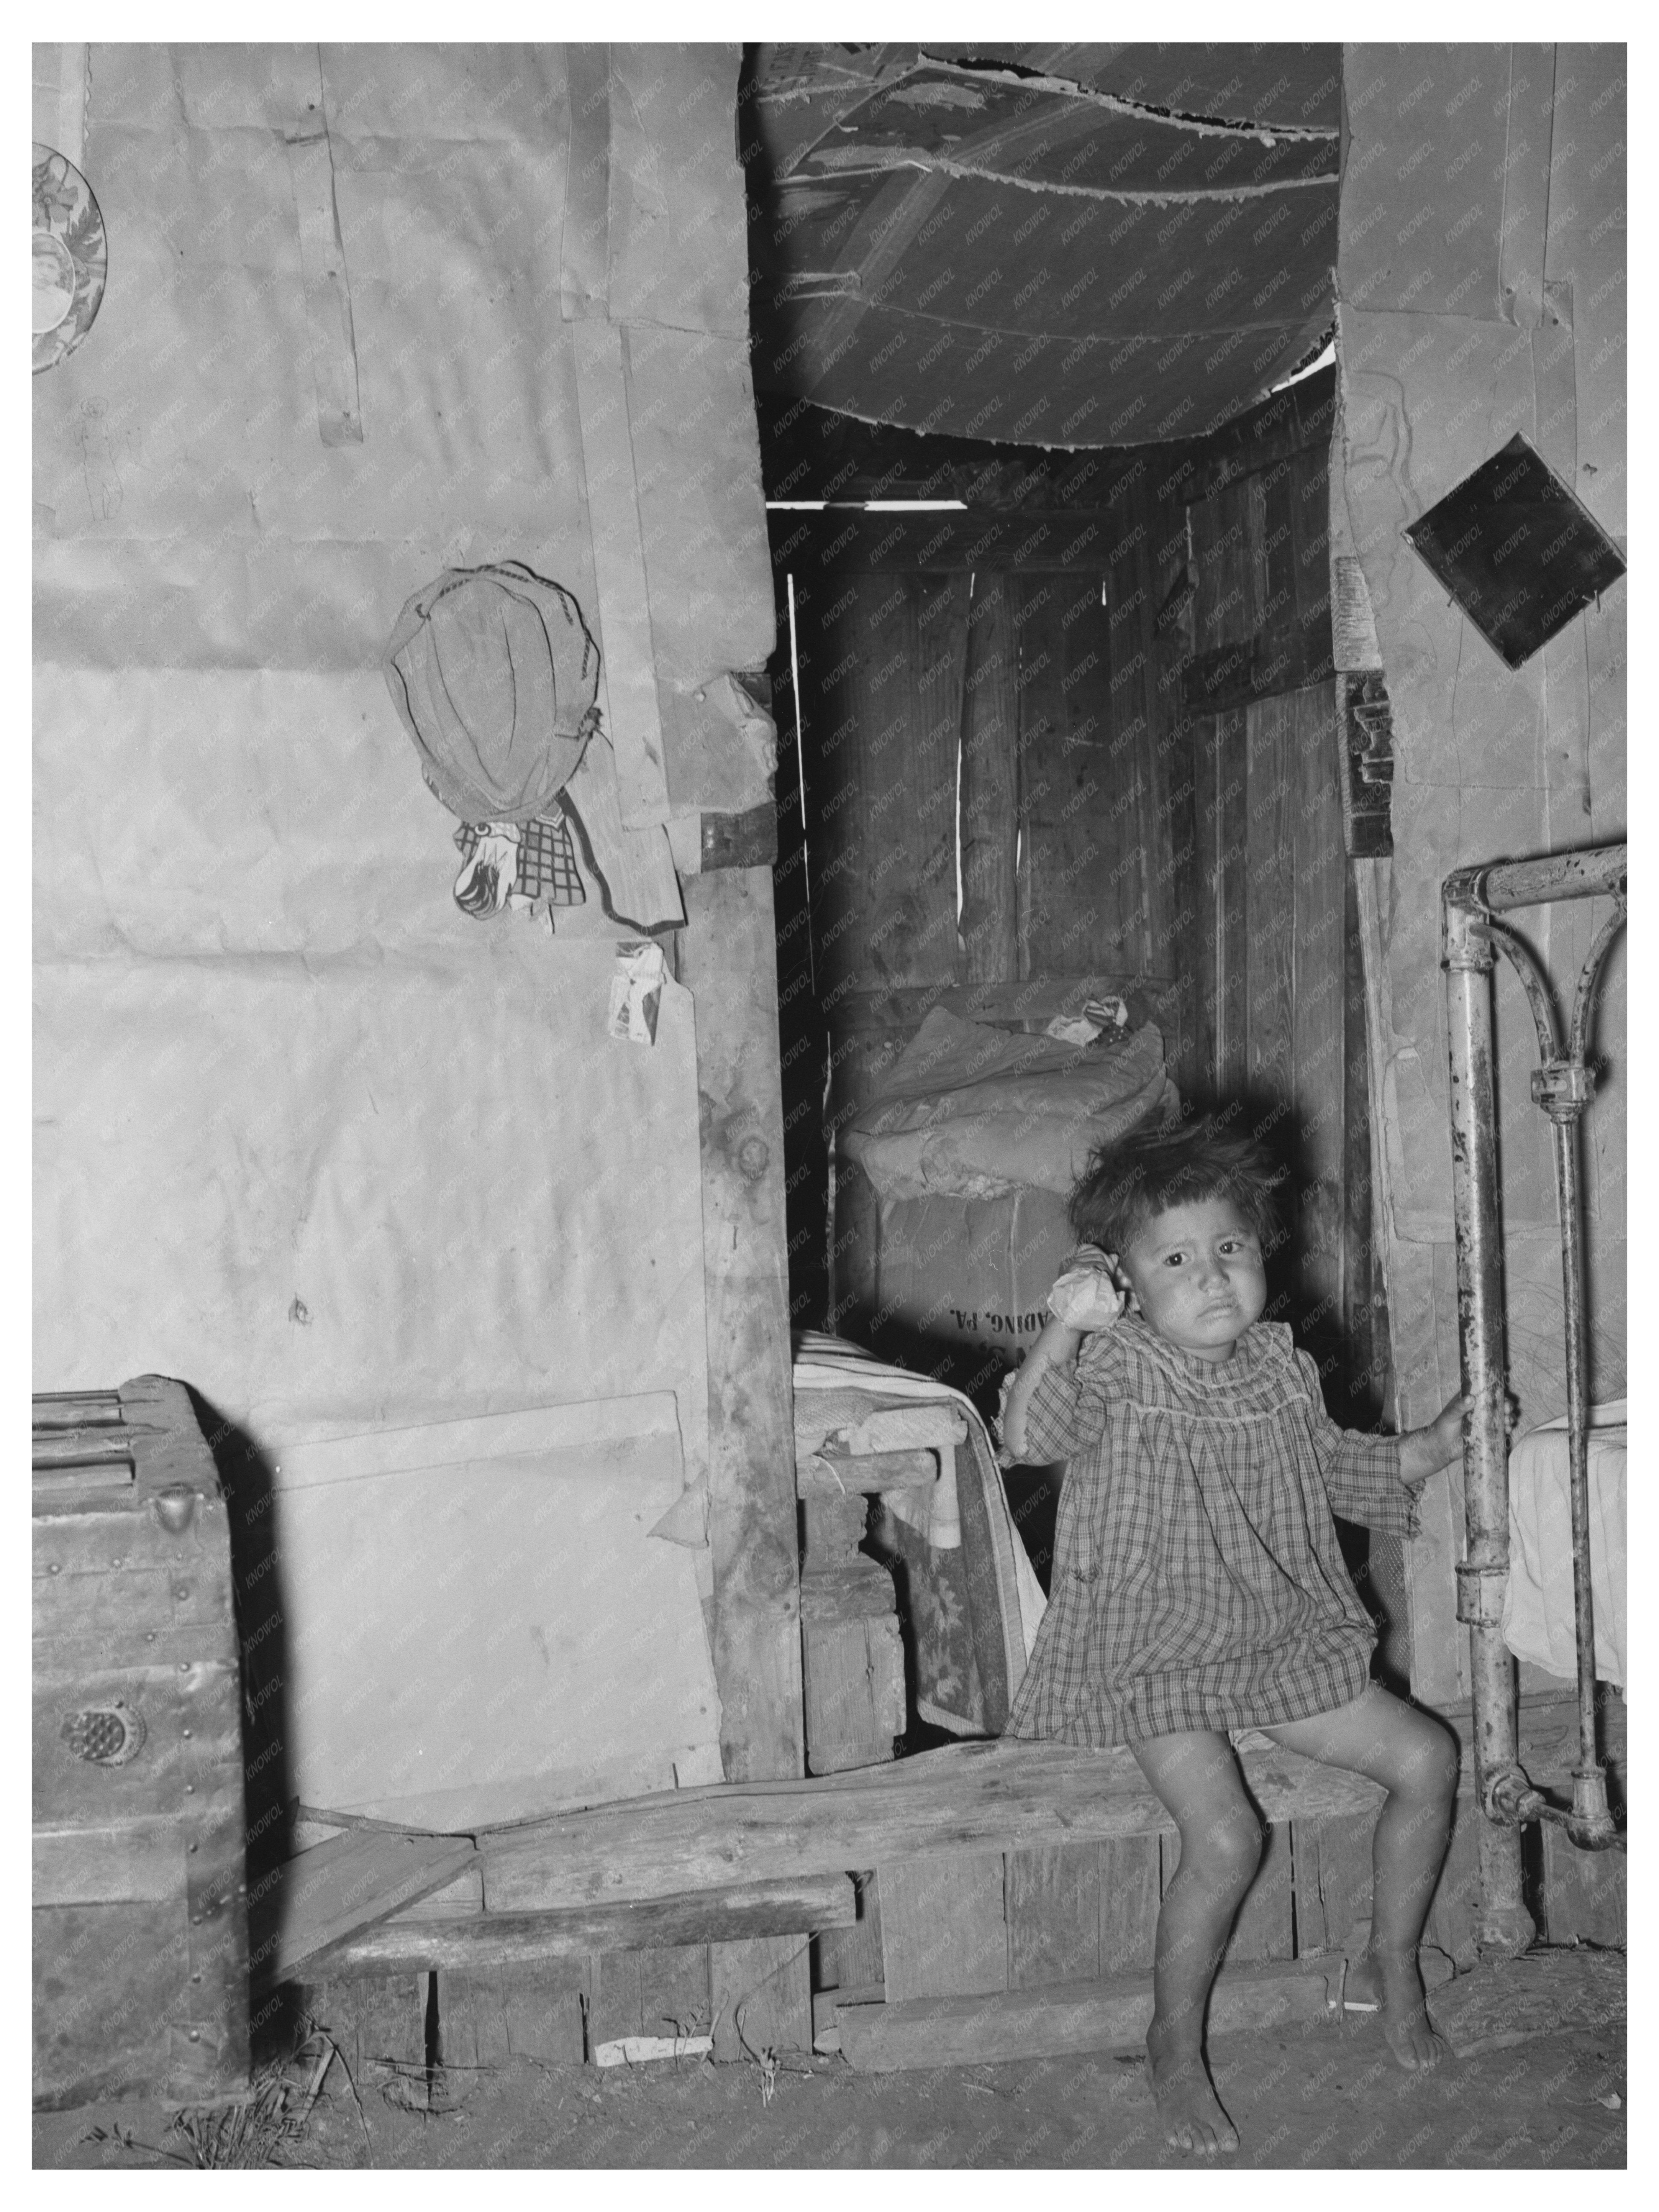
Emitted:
pixel 1447 1430
pixel 1423 1452
pixel 1085 1297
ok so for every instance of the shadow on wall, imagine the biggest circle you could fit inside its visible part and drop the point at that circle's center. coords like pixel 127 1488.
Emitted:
pixel 246 1476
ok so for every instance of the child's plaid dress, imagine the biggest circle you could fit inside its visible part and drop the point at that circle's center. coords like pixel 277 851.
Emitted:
pixel 1198 1582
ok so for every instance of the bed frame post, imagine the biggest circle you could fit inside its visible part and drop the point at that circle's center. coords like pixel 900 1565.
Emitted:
pixel 1502 1924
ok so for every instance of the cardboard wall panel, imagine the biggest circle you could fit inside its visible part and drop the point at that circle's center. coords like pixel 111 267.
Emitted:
pixel 678 250
pixel 1423 185
pixel 696 453
pixel 1481 290
pixel 1586 250
pixel 194 412
pixel 459 1653
pixel 363 1181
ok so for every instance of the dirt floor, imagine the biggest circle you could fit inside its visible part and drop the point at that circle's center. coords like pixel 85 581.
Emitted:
pixel 1539 2082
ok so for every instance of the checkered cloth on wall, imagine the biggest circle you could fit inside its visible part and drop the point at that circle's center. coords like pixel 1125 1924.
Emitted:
pixel 547 874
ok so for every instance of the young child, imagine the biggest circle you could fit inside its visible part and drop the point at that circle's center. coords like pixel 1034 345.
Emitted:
pixel 1198 1585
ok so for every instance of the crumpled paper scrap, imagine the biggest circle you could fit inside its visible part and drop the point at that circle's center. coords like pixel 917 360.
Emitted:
pixel 636 985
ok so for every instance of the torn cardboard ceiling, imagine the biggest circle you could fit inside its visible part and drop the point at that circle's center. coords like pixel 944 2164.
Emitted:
pixel 1004 253
pixel 1271 84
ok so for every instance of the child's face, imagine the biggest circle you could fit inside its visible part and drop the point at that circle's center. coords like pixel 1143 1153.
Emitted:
pixel 1196 1270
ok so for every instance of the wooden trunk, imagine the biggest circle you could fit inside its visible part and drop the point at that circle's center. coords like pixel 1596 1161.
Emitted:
pixel 140 1893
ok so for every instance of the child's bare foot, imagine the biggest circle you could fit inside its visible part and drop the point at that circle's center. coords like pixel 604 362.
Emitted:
pixel 1396 1987
pixel 1188 2105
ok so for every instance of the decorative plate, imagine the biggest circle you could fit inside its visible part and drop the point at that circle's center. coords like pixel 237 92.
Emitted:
pixel 70 257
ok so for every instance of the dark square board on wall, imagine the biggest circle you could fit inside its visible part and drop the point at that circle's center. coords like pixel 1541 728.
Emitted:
pixel 1517 550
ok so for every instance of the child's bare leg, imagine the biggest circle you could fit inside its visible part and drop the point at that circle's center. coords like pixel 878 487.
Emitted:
pixel 1415 1759
pixel 1197 1780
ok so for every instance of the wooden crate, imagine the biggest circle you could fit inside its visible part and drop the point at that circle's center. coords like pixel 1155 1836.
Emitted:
pixel 140 1923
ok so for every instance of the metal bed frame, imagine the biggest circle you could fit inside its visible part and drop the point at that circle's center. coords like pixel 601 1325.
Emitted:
pixel 1563 1084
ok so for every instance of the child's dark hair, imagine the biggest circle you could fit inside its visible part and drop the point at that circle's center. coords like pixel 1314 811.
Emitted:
pixel 1127 1184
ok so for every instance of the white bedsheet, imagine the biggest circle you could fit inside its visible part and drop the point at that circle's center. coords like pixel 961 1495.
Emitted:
pixel 1538 1612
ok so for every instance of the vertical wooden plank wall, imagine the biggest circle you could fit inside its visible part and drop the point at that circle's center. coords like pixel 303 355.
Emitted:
pixel 1333 1862
pixel 1320 1089
pixel 1264 1925
pixel 1130 1893
pixel 1295 956
pixel 966 1925
pixel 990 785
pixel 1085 863
pixel 803 1034
pixel 484 2019
pixel 852 1958
pixel 664 1990
pixel 943 1926
pixel 1230 906
pixel 1055 1901
pixel 1270 939
pixel 1365 1315
pixel 1226 535
pixel 882 661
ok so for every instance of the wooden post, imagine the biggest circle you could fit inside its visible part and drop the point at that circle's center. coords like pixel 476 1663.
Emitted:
pixel 730 965
pixel 990 788
pixel 729 962
pixel 852 1656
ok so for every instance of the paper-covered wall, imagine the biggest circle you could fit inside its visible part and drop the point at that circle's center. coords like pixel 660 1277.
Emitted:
pixel 1481 291
pixel 280 1074
pixel 307 1135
